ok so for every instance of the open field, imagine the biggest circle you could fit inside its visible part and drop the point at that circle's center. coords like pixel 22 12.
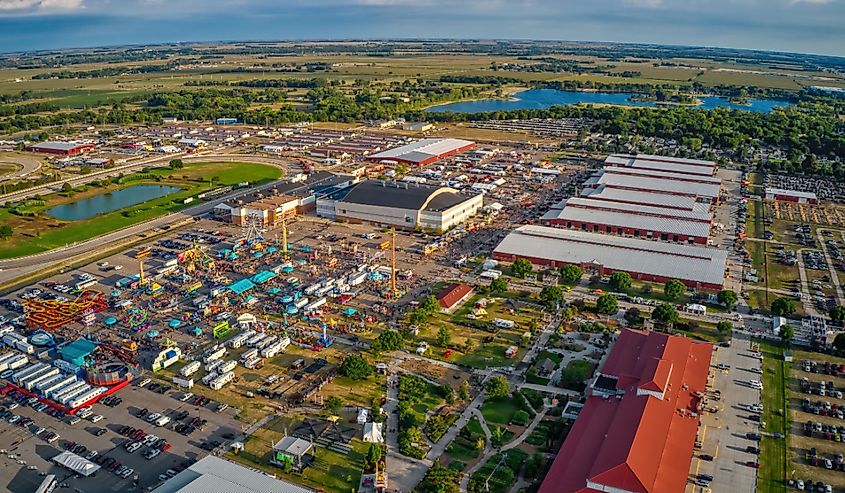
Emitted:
pixel 42 232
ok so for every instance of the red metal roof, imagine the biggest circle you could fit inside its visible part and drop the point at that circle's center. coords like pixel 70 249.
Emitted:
pixel 453 294
pixel 634 440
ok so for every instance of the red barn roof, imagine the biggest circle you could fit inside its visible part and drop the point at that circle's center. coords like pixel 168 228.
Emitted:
pixel 453 294
pixel 638 437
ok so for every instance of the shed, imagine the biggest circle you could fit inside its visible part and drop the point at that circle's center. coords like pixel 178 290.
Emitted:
pixel 77 351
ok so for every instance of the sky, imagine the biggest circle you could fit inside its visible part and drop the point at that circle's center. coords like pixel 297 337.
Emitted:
pixel 805 26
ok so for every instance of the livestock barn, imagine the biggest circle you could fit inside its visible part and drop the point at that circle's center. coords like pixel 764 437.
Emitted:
pixel 62 148
pixel 601 254
pixel 791 196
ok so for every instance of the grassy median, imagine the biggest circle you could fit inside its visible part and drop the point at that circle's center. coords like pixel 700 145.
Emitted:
pixel 773 451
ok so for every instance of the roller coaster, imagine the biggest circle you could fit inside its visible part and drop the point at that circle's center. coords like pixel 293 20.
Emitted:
pixel 51 315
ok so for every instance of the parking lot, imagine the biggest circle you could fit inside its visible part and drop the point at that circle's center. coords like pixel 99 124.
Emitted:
pixel 24 450
pixel 725 434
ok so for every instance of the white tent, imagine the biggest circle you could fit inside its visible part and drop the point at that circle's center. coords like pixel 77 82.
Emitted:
pixel 373 432
pixel 363 416
pixel 76 463
pixel 246 320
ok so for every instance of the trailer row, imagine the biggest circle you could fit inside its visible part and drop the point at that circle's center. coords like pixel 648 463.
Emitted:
pixel 51 383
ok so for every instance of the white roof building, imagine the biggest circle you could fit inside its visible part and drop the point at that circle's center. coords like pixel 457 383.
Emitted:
pixel 643 259
pixel 662 163
pixel 212 474
pixel 423 151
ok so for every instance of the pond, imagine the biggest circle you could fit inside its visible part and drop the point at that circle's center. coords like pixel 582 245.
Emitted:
pixel 544 98
pixel 109 202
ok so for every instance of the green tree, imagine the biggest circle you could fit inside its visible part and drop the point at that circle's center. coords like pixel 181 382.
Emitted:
pixel 418 317
pixel 786 333
pixel 497 434
pixel 607 304
pixel 837 313
pixel 634 316
pixel 463 391
pixel 440 479
pixel 521 268
pixel 5 231
pixel 724 327
pixel 498 285
pixel 430 305
pixel 783 307
pixel 665 314
pixel 620 281
pixel 839 341
pixel 176 164
pixel 575 373
pixel 444 337
pixel 356 367
pixel 66 187
pixel 570 274
pixel 728 298
pixel 374 454
pixel 497 388
pixel 674 289
pixel 551 295
pixel 389 340
pixel 333 404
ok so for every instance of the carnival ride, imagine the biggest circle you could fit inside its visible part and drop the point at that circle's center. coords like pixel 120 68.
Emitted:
pixel 51 315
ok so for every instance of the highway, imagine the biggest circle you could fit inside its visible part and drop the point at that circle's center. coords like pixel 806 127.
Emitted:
pixel 11 269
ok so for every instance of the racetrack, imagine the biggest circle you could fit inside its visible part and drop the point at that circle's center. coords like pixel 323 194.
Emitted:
pixel 28 165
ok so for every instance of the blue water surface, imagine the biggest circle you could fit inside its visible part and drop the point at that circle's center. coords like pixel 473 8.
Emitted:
pixel 545 98
pixel 109 202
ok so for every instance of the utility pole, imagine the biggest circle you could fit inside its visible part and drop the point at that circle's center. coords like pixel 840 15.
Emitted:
pixel 285 239
pixel 393 262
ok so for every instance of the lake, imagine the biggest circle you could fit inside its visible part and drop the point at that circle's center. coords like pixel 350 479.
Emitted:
pixel 544 98
pixel 109 202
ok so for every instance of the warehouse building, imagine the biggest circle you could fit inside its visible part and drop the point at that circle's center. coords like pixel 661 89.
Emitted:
pixel 705 192
pixel 669 175
pixel 212 473
pixel 423 152
pixel 661 163
pixel 62 148
pixel 636 221
pixel 637 429
pixel 401 204
pixel 638 197
pixel 599 254
pixel 791 196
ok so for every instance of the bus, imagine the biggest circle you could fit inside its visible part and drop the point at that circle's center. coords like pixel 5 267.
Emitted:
pixel 384 245
pixel 49 484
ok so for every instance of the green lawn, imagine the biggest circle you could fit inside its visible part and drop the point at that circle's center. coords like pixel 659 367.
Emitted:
pixel 773 451
pixel 45 233
pixel 499 411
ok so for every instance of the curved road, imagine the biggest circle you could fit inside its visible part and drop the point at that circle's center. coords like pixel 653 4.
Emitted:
pixel 14 268
pixel 28 165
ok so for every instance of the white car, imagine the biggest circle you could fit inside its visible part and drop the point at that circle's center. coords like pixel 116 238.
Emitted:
pixel 90 455
pixel 152 417
pixel 144 382
pixel 152 454
pixel 132 447
pixel 95 418
pixel 800 484
pixel 149 440
pixel 127 473
pixel 186 396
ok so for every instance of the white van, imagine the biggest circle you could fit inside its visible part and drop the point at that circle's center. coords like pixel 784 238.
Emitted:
pixel 162 421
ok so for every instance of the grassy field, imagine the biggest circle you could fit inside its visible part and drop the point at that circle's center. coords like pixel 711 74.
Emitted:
pixel 500 471
pixel 499 411
pixel 773 451
pixel 331 471
pixel 42 232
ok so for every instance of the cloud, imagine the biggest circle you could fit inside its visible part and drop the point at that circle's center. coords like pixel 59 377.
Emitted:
pixel 25 6
pixel 811 2
pixel 644 3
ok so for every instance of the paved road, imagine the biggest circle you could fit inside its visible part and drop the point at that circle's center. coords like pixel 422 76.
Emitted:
pixel 28 165
pixel 724 432
pixel 11 269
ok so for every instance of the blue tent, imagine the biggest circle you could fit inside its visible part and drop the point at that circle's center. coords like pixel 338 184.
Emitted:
pixel 241 286
pixel 152 333
pixel 110 321
pixel 115 293
pixel 350 311
pixel 173 323
pixel 196 331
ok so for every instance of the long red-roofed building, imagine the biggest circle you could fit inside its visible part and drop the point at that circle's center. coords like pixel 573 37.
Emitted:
pixel 638 427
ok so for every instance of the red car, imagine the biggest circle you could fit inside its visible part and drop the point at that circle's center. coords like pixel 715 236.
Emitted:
pixel 165 447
